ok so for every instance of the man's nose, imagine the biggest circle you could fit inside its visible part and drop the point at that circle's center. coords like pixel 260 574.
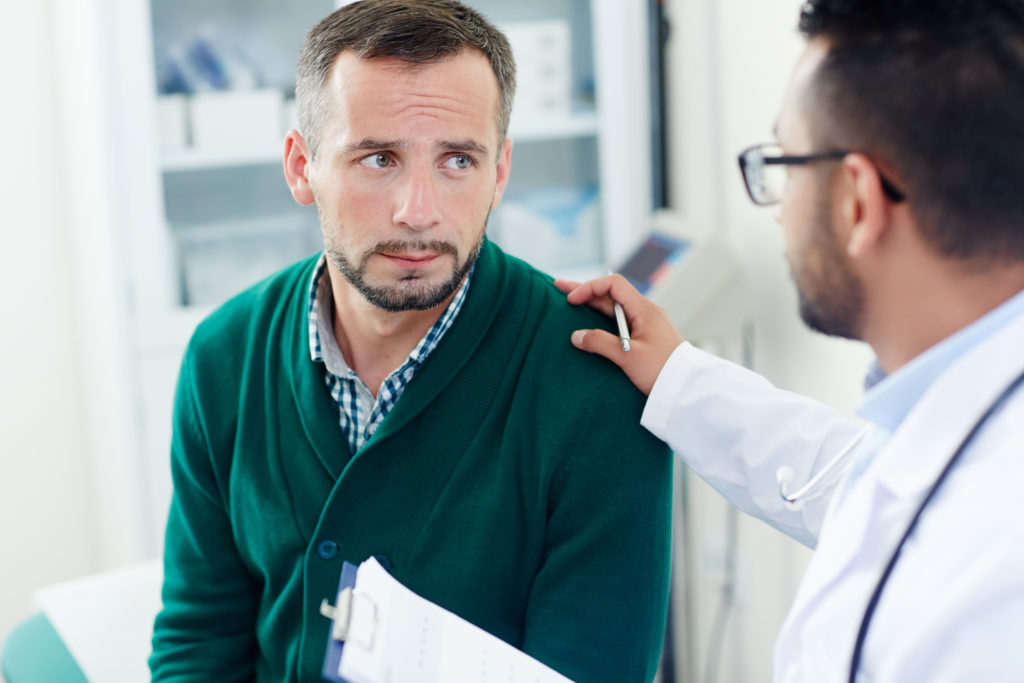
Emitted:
pixel 417 204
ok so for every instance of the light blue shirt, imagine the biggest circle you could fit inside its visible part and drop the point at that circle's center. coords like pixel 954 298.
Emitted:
pixel 890 398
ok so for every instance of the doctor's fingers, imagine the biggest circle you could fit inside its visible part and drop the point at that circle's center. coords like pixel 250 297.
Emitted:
pixel 600 304
pixel 641 363
pixel 600 293
pixel 648 322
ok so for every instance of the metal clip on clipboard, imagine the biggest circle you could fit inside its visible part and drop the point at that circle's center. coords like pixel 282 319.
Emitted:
pixel 340 614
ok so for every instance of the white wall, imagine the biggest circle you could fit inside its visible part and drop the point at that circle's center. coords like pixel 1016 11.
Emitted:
pixel 728 64
pixel 46 524
pixel 68 491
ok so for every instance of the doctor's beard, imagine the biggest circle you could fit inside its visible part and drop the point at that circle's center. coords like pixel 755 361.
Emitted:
pixel 831 297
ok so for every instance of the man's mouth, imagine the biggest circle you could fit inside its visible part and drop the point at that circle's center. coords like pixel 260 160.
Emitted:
pixel 411 259
pixel 414 255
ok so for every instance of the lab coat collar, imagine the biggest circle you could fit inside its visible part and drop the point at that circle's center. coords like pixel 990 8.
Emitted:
pixel 947 410
pixel 889 399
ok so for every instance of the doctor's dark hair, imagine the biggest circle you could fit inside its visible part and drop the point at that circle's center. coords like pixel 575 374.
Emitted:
pixel 933 90
pixel 416 31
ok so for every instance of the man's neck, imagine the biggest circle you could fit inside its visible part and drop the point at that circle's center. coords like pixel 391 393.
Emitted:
pixel 933 302
pixel 375 342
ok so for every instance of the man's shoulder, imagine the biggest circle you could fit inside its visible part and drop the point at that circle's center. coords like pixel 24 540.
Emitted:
pixel 560 314
pixel 552 320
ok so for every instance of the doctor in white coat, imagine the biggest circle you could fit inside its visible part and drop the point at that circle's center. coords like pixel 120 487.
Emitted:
pixel 899 174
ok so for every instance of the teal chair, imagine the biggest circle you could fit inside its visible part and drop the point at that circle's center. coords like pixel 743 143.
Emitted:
pixel 34 653
pixel 95 629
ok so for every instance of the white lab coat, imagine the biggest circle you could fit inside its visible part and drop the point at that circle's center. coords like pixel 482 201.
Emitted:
pixel 953 609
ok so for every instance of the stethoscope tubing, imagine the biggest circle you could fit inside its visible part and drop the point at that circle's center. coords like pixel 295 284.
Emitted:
pixel 812 490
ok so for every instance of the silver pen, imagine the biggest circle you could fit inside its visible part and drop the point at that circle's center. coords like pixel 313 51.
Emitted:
pixel 620 320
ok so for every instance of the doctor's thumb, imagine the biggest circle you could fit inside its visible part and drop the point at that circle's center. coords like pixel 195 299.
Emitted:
pixel 600 342
pixel 638 363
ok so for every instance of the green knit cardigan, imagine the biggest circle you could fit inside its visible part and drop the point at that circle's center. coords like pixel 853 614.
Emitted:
pixel 512 484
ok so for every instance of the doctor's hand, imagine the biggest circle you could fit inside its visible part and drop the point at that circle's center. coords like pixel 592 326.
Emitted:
pixel 653 338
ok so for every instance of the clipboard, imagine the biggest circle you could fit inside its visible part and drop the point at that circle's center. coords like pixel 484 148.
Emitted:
pixel 381 631
pixel 339 614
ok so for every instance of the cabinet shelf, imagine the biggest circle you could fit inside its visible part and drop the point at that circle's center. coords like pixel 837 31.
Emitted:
pixel 194 159
pixel 553 127
pixel 527 129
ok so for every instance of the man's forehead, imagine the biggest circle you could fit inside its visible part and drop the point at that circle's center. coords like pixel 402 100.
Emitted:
pixel 794 112
pixel 388 99
pixel 806 67
pixel 466 78
pixel 350 63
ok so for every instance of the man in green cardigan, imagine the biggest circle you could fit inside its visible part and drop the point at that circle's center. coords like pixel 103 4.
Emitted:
pixel 409 394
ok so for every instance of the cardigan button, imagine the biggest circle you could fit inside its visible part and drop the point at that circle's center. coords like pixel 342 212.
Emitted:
pixel 327 550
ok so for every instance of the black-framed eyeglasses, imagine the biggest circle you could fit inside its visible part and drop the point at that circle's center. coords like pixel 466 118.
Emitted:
pixel 764 172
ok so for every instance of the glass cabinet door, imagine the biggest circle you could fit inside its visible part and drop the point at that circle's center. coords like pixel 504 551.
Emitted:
pixel 225 75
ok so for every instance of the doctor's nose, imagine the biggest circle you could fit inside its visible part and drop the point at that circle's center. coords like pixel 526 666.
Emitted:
pixel 417 202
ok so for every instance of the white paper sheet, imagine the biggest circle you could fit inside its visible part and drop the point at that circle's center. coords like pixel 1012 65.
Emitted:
pixel 395 635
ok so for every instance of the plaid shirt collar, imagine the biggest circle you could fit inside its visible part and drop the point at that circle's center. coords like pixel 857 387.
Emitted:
pixel 358 412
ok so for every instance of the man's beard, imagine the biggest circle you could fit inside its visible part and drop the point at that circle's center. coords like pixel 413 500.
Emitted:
pixel 409 293
pixel 831 302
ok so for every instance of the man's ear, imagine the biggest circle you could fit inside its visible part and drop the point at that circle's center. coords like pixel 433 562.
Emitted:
pixel 297 165
pixel 504 168
pixel 865 208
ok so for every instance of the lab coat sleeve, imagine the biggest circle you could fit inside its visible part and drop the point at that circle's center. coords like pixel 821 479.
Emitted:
pixel 735 429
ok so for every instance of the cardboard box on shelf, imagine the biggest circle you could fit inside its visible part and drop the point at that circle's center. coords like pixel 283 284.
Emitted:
pixel 235 118
pixel 543 66
pixel 172 122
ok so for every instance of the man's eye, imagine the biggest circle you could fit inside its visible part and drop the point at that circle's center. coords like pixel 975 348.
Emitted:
pixel 376 161
pixel 459 161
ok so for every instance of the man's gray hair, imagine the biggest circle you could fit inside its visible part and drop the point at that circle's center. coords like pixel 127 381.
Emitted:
pixel 416 31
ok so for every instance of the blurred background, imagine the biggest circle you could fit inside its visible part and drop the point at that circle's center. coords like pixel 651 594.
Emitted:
pixel 142 185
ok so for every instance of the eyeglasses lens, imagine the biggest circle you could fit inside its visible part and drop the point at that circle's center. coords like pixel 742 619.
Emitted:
pixel 767 181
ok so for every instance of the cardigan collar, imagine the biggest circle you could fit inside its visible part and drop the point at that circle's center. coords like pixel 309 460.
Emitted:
pixel 306 378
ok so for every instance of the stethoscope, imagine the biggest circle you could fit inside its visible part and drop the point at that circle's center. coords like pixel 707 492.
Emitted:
pixel 808 492
pixel 813 488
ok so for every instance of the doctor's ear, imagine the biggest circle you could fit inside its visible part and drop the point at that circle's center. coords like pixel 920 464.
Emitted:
pixel 297 166
pixel 866 210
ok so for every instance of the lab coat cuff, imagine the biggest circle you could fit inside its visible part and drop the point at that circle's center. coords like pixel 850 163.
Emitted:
pixel 667 387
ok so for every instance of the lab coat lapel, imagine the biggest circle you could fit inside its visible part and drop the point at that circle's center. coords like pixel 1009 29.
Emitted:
pixel 820 627
pixel 843 536
pixel 949 409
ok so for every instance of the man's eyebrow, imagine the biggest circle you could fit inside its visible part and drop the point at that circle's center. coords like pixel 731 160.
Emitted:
pixel 466 146
pixel 373 145
pixel 378 144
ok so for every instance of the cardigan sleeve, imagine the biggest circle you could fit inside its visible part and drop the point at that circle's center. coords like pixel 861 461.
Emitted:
pixel 598 604
pixel 206 628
